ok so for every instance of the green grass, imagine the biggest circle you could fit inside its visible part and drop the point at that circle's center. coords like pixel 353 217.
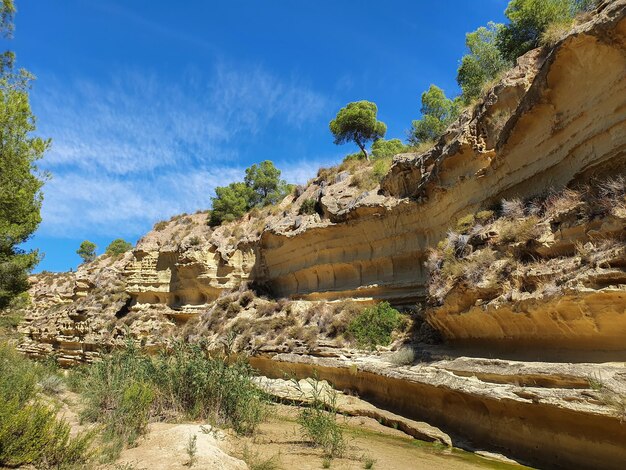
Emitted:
pixel 128 389
pixel 318 419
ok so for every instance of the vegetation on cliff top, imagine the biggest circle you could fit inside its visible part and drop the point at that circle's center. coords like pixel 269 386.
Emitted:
pixel 357 123
pixel 261 187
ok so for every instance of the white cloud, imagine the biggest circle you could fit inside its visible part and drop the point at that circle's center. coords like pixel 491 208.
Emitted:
pixel 133 149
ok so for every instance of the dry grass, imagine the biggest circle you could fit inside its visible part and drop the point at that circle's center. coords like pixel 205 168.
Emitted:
pixel 499 252
pixel 555 32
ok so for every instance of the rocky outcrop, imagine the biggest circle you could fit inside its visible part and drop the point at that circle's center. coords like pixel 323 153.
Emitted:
pixel 557 118
pixel 556 423
pixel 75 316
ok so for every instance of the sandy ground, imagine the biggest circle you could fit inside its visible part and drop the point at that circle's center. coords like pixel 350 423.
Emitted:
pixel 367 439
pixel 279 439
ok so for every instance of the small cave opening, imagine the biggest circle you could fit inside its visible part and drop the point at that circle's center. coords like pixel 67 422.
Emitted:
pixel 124 309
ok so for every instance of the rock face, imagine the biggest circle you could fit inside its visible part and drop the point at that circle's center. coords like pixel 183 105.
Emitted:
pixel 540 414
pixel 558 118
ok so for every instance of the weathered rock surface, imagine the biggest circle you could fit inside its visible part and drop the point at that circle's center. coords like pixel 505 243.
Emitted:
pixel 554 420
pixel 556 120
pixel 351 406
pixel 164 448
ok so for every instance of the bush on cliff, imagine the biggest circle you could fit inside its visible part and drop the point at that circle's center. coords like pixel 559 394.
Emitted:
pixel 118 247
pixel 374 325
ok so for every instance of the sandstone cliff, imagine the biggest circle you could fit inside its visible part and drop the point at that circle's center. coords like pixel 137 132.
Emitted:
pixel 544 276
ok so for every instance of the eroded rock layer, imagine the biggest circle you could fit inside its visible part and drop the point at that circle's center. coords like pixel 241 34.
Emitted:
pixel 559 117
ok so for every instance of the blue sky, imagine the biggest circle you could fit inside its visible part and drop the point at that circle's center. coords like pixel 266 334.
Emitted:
pixel 151 104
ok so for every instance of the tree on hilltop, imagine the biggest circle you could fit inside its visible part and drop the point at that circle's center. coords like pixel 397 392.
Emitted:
pixel 437 113
pixel 261 187
pixel 87 251
pixel 117 247
pixel 264 180
pixel 357 123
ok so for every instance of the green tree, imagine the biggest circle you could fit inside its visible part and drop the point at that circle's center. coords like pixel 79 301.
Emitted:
pixel 382 148
pixel 230 202
pixel 483 63
pixel 87 251
pixel 437 113
pixel 264 181
pixel 357 123
pixel 20 179
pixel 528 19
pixel 117 247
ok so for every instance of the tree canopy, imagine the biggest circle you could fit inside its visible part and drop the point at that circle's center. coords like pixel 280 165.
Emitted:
pixel 529 19
pixel 437 113
pixel 357 123
pixel 264 180
pixel 483 63
pixel 87 251
pixel 230 202
pixel 20 179
pixel 261 187
pixel 382 148
pixel 117 247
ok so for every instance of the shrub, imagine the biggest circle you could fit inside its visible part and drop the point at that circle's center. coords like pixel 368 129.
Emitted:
pixel 256 462
pixel 403 356
pixel 374 325
pixel 118 247
pixel 382 148
pixel 30 432
pixel 308 206
pixel 364 180
pixel 318 419
pixel 381 167
pixel 127 389
pixel 518 230
pixel 159 226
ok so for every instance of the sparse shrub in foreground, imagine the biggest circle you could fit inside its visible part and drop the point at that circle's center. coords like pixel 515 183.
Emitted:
pixel 318 419
pixel 30 432
pixel 374 325
pixel 127 389
pixel 256 462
